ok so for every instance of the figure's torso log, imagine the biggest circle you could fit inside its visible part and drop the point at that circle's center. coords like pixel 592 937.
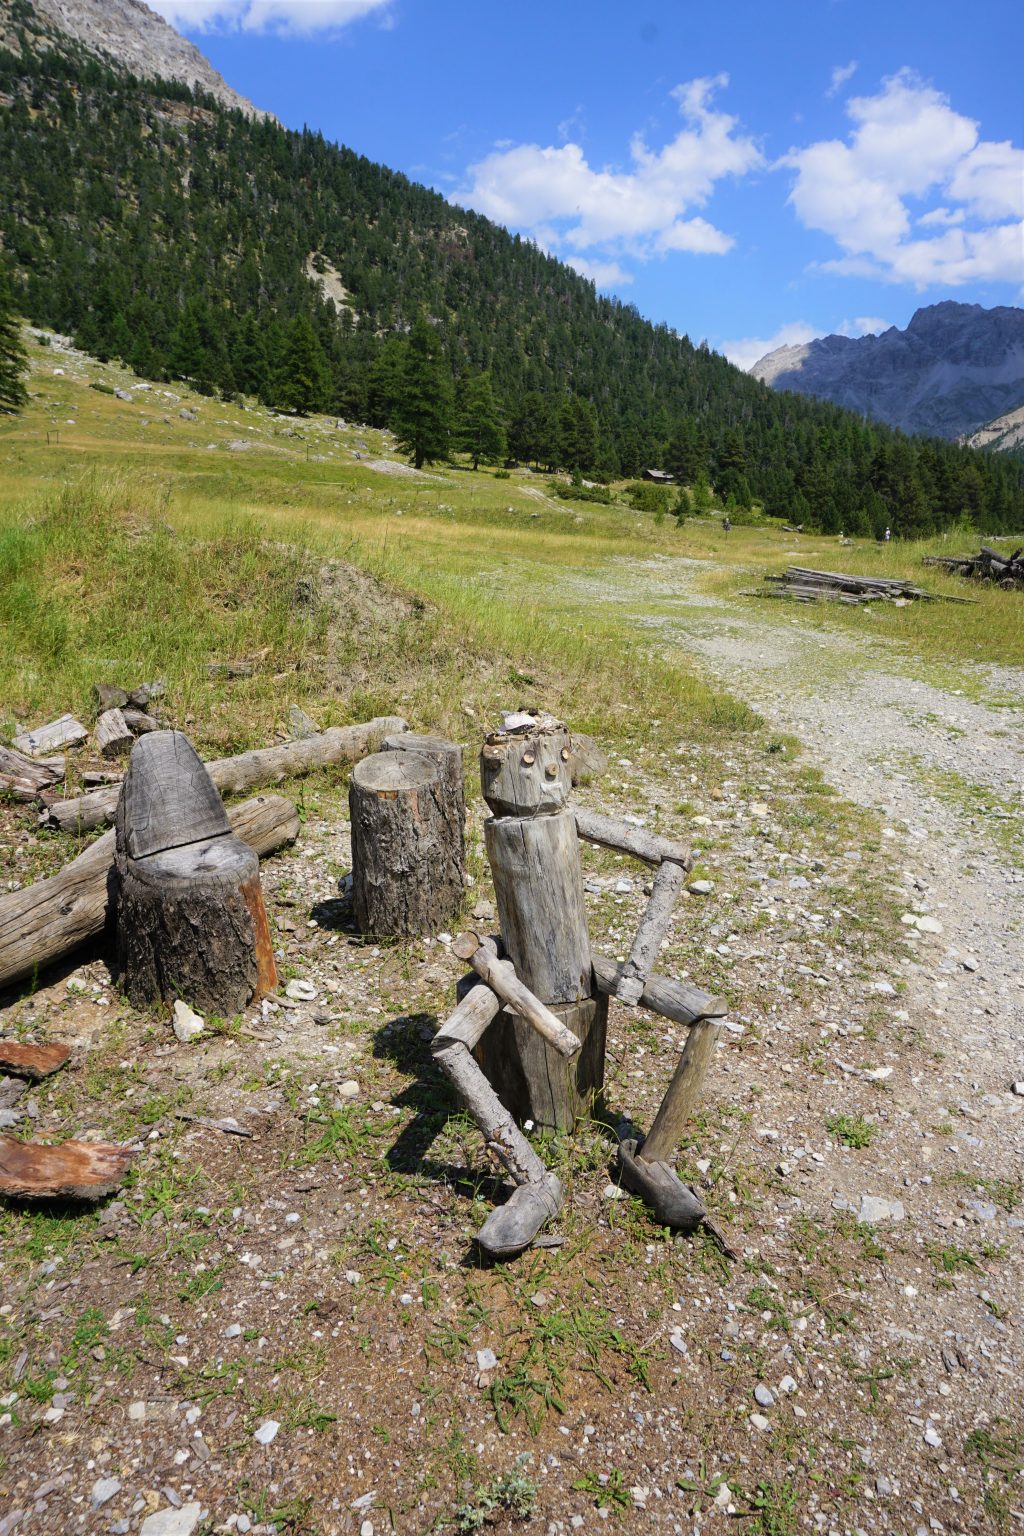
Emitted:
pixel 191 922
pixel 406 847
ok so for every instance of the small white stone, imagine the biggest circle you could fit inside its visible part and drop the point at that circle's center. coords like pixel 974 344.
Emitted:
pixel 267 1432
pixel 613 1192
pixel 233 1331
pixel 103 1491
pixel 759 1422
pixel 349 1089
pixel 787 1385
pixel 486 1360
pixel 700 887
pixel 1018 1089
pixel 187 1025
pixel 136 1412
pixel 353 1276
pixel 300 991
pixel 366 1529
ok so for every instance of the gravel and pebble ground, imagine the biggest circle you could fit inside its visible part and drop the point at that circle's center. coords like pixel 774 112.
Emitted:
pixel 291 1331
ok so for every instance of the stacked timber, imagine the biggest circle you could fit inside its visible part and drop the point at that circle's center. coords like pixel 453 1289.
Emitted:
pixel 804 585
pixel 986 565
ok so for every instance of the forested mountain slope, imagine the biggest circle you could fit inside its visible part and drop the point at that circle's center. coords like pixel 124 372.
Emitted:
pixel 158 226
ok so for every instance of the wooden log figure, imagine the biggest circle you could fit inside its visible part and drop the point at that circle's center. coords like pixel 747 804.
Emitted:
pixel 533 849
pixel 407 844
pixel 191 921
pixel 539 1059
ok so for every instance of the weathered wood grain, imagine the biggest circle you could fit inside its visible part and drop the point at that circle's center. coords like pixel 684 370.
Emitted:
pixel 112 734
pixel 538 885
pixel 75 1170
pixel 675 1000
pixel 654 926
pixel 32 1061
pixel 500 976
pixel 682 1095
pixel 66 731
pixel 526 772
pixel 606 832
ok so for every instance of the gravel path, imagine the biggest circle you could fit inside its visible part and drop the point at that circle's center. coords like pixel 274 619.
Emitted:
pixel 915 752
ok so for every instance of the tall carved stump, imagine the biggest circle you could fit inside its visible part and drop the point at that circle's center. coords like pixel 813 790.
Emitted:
pixel 407 859
pixel 533 848
pixel 191 921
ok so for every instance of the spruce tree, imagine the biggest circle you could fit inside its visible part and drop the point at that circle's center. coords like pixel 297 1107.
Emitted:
pixel 480 431
pixel 304 382
pixel 422 414
pixel 13 362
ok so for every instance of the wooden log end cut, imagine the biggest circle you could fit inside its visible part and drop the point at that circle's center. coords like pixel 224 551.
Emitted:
pixel 75 1170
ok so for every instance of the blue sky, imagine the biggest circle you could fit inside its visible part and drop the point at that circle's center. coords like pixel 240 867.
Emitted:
pixel 746 173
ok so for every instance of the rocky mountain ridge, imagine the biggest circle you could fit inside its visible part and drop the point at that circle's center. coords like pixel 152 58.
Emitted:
pixel 130 36
pixel 954 369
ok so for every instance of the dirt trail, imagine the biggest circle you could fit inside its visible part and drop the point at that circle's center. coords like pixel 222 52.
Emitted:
pixel 922 756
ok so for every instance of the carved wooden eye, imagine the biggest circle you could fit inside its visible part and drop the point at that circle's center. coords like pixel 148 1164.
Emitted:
pixel 566 754
pixel 529 759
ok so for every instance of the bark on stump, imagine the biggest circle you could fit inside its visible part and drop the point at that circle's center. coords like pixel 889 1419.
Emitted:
pixel 191 921
pixel 533 849
pixel 406 847
pixel 447 755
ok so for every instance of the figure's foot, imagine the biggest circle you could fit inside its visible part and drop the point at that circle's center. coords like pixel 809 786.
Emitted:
pixel 674 1203
pixel 513 1226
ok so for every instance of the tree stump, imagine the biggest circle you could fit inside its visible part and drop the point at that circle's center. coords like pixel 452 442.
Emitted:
pixel 448 757
pixel 191 921
pixel 407 860
pixel 533 848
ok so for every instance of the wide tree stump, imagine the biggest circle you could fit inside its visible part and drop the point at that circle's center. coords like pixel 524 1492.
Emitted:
pixel 448 757
pixel 407 862
pixel 191 921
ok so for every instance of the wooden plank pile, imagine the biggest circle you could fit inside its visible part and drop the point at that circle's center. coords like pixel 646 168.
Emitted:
pixel 987 565
pixel 804 585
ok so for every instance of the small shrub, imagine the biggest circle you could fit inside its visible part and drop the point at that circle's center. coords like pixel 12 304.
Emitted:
pixel 514 1495
pixel 851 1130
pixel 645 497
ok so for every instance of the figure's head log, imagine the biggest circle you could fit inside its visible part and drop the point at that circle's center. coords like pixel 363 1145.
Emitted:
pixel 526 767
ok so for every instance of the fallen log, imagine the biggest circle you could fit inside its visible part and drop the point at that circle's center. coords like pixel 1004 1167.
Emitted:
pixel 32 773
pixel 75 1170
pixel 66 731
pixel 249 770
pixel 49 919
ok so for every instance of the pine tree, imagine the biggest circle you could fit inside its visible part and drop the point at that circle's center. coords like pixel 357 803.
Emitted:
pixel 480 431
pixel 13 362
pixel 422 415
pixel 305 382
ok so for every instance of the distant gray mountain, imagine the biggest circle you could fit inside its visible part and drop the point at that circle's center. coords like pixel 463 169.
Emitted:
pixel 132 37
pixel 954 368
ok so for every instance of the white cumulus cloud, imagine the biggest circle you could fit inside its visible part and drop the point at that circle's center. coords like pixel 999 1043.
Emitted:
pixel 840 75
pixel 745 351
pixel 909 148
pixel 603 274
pixel 297 17
pixel 553 193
